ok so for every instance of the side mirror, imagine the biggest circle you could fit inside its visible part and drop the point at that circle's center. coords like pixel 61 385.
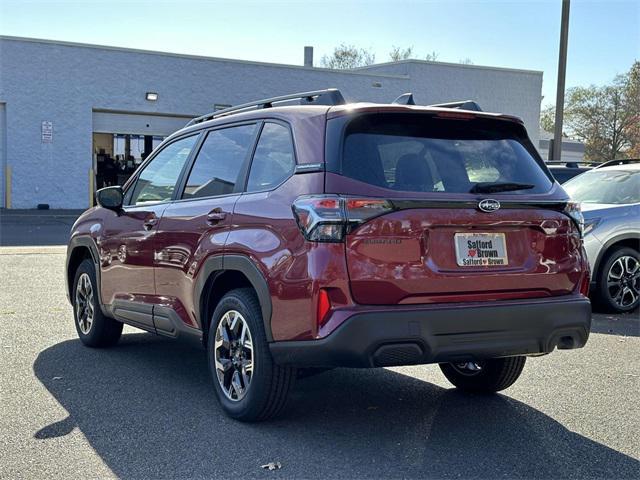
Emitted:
pixel 110 197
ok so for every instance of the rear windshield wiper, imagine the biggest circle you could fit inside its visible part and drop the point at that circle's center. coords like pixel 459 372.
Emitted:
pixel 493 187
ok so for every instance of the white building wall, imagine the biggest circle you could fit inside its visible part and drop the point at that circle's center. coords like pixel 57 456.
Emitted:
pixel 64 83
pixel 501 90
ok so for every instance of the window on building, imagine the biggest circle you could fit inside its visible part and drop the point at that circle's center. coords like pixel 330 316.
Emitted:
pixel 157 182
pixel 273 161
pixel 219 161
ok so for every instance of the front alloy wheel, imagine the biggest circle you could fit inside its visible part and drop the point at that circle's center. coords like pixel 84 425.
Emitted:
pixel 484 376
pixel 84 303
pixel 623 282
pixel 233 355
pixel 93 327
pixel 468 369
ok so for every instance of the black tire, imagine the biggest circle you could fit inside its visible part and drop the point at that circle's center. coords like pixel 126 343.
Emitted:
pixel 311 371
pixel 103 331
pixel 604 296
pixel 495 374
pixel 270 384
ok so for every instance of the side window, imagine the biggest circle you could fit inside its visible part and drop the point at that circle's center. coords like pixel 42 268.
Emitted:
pixel 273 161
pixel 157 181
pixel 219 161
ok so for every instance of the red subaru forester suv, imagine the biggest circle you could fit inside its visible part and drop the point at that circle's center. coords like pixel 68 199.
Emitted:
pixel 325 234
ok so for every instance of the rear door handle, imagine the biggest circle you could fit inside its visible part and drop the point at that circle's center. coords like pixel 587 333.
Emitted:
pixel 150 222
pixel 216 215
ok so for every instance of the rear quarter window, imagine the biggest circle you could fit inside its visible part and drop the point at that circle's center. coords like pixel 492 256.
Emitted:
pixel 420 153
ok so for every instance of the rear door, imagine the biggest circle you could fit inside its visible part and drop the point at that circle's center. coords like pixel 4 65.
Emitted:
pixel 472 214
pixel 197 225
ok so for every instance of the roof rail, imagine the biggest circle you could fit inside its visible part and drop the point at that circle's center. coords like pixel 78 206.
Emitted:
pixel 462 105
pixel 564 162
pixel 404 99
pixel 622 161
pixel 329 96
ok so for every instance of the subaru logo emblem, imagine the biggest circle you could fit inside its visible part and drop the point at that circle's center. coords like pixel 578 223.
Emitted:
pixel 489 205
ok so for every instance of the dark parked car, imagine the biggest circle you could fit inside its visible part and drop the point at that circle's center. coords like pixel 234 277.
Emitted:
pixel 327 234
pixel 565 171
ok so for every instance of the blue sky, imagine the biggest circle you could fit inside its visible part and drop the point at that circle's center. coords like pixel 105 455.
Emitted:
pixel 604 36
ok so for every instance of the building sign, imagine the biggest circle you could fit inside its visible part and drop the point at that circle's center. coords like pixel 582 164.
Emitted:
pixel 47 132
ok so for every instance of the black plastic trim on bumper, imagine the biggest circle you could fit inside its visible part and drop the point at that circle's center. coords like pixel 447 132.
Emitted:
pixel 445 333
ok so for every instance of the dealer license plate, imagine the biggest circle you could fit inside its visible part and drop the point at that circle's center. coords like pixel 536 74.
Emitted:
pixel 481 249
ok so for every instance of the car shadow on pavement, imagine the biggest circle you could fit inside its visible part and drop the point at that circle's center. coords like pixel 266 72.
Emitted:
pixel 147 408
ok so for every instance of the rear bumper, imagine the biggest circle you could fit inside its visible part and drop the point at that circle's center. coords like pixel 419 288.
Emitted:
pixel 445 333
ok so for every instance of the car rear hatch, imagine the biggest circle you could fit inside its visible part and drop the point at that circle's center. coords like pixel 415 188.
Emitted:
pixel 449 207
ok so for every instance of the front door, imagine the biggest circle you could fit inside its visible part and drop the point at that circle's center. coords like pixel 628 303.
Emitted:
pixel 196 225
pixel 128 237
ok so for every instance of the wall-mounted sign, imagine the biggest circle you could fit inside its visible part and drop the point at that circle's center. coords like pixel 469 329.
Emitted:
pixel 47 132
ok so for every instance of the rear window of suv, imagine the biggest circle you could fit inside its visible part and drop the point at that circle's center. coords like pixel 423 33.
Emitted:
pixel 422 153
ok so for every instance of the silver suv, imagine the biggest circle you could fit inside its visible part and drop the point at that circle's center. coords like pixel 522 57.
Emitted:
pixel 610 198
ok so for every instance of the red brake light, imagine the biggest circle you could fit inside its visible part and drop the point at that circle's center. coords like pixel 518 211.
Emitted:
pixel 456 115
pixel 355 203
pixel 324 305
pixel 328 203
pixel 584 285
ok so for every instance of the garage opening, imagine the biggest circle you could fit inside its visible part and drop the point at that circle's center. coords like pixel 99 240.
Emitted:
pixel 122 141
pixel 117 155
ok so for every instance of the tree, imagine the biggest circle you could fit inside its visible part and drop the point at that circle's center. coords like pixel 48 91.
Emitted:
pixel 432 57
pixel 466 61
pixel 548 119
pixel 348 56
pixel 396 54
pixel 632 93
pixel 605 118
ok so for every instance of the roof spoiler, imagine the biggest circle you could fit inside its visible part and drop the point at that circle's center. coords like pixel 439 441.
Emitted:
pixel 404 99
pixel 463 105
pixel 329 96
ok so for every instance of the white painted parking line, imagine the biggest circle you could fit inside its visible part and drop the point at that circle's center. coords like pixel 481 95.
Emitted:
pixel 39 250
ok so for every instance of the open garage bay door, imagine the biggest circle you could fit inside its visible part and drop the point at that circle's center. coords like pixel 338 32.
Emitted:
pixel 121 142
pixel 140 124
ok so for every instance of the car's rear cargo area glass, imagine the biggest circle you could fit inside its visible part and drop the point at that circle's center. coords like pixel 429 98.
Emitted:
pixel 423 153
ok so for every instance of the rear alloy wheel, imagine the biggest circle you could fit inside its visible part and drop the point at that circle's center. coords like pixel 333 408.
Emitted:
pixel 484 376
pixel 248 383
pixel 233 355
pixel 618 287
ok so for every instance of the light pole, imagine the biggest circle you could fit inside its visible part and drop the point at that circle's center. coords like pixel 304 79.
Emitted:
pixel 556 153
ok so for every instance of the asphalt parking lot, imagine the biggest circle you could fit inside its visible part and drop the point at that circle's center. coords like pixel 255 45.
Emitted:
pixel 36 227
pixel 145 409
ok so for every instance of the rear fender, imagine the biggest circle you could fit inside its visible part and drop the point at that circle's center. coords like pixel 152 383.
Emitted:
pixel 244 265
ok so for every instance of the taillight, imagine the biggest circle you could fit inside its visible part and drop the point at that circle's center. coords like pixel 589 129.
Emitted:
pixel 324 305
pixel 584 285
pixel 574 212
pixel 328 218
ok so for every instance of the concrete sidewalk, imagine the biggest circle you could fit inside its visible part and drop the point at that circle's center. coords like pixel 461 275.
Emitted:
pixel 36 227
